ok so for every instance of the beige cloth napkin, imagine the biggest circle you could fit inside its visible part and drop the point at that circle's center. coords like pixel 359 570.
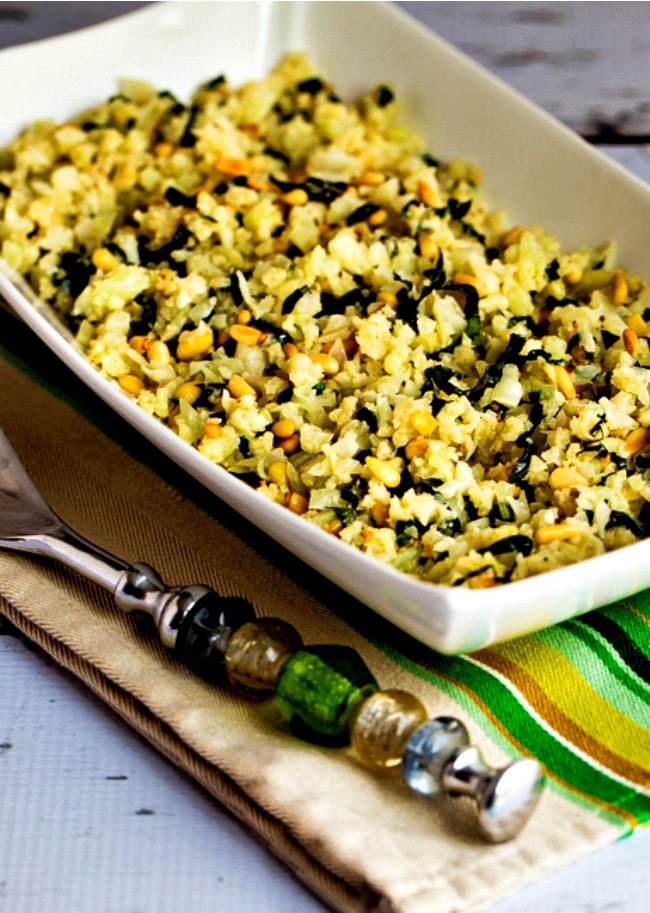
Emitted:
pixel 361 841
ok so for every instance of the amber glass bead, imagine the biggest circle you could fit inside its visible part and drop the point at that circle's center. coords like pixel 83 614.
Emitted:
pixel 318 688
pixel 256 652
pixel 382 726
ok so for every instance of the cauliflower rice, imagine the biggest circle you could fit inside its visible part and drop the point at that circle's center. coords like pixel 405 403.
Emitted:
pixel 298 289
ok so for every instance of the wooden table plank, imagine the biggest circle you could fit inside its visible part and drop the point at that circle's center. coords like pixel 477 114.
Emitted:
pixel 585 63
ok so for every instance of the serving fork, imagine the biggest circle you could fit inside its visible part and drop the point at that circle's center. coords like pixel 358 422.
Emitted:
pixel 197 624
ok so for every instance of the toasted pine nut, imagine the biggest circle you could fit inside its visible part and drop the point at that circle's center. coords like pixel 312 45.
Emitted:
pixel 247 335
pixel 428 247
pixel 387 297
pixel 327 362
pixel 233 166
pixel 637 440
pixel 158 351
pixel 423 422
pixel 620 291
pixel 637 323
pixel 131 384
pixel 194 343
pixel 104 259
pixel 290 349
pixel 560 376
pixel 564 382
pixel 426 193
pixel 289 444
pixel 556 532
pixel 466 279
pixel 416 448
pixel 188 391
pixel 213 429
pixel 631 342
pixel 377 218
pixel 386 471
pixel 373 178
pixel 297 503
pixel 566 478
pixel 163 150
pixel 239 387
pixel 295 197
pixel 277 472
pixel 139 343
pixel 574 276
pixel 284 427
pixel 334 526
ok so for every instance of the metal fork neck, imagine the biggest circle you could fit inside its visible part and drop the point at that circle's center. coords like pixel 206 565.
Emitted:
pixel 71 549
pixel 135 587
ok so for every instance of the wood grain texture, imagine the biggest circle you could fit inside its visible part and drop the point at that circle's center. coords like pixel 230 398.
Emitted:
pixel 585 63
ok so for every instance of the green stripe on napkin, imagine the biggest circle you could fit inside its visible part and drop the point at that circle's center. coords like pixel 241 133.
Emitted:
pixel 531 691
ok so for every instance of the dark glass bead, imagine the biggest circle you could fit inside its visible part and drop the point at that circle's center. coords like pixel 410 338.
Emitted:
pixel 318 688
pixel 256 653
pixel 204 633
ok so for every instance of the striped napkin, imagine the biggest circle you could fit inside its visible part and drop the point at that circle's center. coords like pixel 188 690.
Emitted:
pixel 576 696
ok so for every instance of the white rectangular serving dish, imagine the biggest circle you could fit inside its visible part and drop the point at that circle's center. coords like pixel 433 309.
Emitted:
pixel 534 168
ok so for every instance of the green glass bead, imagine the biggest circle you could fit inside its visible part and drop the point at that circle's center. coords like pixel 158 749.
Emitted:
pixel 318 688
pixel 382 726
pixel 256 652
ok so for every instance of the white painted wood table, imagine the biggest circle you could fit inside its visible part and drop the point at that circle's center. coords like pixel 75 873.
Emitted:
pixel 91 818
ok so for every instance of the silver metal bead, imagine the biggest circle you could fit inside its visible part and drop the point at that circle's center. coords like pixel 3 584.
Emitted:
pixel 439 759
pixel 140 589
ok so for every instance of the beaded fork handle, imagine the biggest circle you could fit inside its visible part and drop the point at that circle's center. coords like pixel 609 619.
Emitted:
pixel 325 692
